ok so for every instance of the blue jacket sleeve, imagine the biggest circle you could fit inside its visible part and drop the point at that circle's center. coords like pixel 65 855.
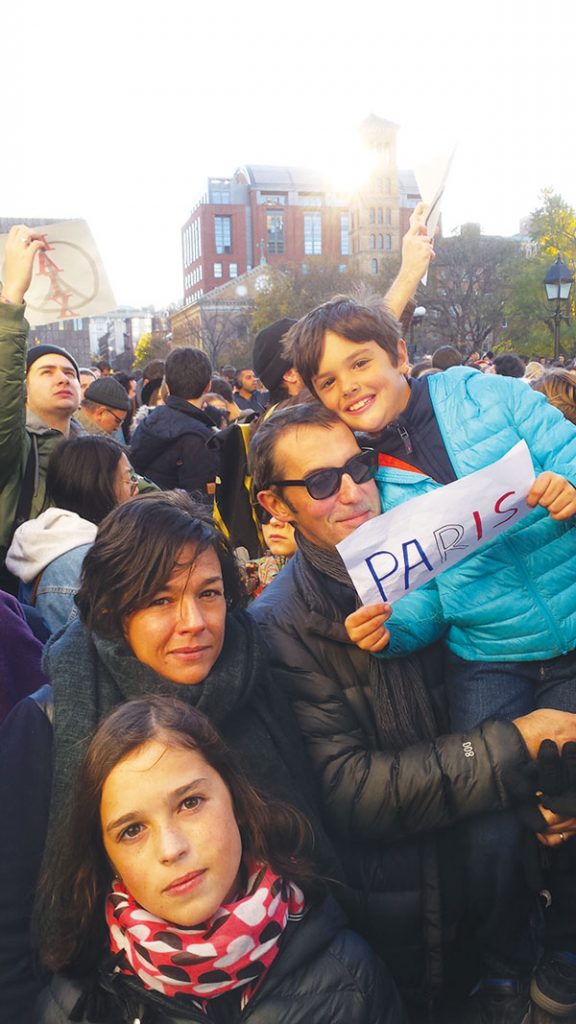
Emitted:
pixel 550 437
pixel 417 620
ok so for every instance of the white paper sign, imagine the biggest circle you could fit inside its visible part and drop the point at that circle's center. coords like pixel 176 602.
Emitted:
pixel 431 178
pixel 400 550
pixel 69 279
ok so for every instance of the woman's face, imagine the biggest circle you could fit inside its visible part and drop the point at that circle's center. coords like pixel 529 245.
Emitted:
pixel 125 484
pixel 279 537
pixel 180 632
pixel 169 829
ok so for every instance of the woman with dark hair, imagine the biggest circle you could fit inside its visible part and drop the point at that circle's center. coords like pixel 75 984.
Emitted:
pixel 185 893
pixel 87 477
pixel 160 613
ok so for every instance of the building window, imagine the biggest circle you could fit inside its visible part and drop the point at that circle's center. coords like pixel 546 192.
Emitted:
pixel 313 234
pixel 372 241
pixel 388 217
pixel 309 199
pixel 342 268
pixel 380 215
pixel 388 245
pixel 217 270
pixel 275 231
pixel 219 191
pixel 223 234
pixel 371 214
pixel 344 237
pixel 275 198
pixel 373 266
pixel 233 270
pixel 380 242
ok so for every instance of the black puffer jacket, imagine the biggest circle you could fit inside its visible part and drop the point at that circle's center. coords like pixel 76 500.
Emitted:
pixel 324 974
pixel 169 447
pixel 383 804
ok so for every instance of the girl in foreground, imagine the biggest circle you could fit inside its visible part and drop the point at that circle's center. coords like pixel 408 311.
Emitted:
pixel 192 897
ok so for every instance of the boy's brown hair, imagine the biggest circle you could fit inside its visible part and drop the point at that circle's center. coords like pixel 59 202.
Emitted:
pixel 304 342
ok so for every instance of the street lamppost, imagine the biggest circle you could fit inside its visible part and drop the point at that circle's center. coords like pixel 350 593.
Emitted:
pixel 416 321
pixel 558 282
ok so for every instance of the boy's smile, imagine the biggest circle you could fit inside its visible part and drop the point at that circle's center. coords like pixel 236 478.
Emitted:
pixel 359 383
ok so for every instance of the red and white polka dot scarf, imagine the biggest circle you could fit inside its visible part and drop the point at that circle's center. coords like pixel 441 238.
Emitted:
pixel 232 950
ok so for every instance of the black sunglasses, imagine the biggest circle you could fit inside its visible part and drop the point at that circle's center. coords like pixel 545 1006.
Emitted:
pixel 262 514
pixel 323 483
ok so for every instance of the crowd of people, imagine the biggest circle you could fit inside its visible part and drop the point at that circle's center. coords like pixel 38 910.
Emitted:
pixel 231 792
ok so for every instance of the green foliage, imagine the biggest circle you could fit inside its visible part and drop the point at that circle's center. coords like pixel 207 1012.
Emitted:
pixel 150 346
pixel 530 331
pixel 294 291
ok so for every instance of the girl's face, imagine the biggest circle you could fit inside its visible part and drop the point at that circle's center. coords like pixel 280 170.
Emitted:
pixel 180 632
pixel 170 832
pixel 279 537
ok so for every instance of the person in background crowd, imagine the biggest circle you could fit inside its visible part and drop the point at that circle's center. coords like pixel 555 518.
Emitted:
pixel 172 847
pixel 151 371
pixel 280 544
pixel 559 386
pixel 216 408
pixel 104 407
pixel 20 656
pixel 393 776
pixel 160 614
pixel 534 370
pixel 445 357
pixel 153 393
pixel 169 446
pixel 104 368
pixel 272 366
pixel 129 384
pixel 50 375
pixel 247 395
pixel 228 372
pixel 86 377
pixel 87 477
pixel 220 386
pixel 509 364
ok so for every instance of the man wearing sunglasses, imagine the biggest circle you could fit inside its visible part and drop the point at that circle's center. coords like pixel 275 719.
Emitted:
pixel 395 784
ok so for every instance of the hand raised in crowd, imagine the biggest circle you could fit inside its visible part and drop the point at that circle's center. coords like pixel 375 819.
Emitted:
pixel 417 246
pixel 555 494
pixel 365 627
pixel 21 248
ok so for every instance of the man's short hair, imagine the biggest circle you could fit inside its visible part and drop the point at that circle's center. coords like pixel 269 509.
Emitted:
pixel 304 343
pixel 508 364
pixel 223 388
pixel 445 357
pixel 188 372
pixel 262 454
pixel 153 369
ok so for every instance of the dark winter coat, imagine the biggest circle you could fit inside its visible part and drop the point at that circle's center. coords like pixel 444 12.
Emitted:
pixel 383 801
pixel 169 447
pixel 90 676
pixel 324 974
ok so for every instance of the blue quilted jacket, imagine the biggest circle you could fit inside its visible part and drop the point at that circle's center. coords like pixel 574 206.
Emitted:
pixel 514 599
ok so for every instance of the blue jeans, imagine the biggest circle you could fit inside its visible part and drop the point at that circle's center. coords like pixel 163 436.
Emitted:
pixel 502 909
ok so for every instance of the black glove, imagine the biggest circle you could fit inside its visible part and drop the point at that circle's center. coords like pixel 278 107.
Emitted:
pixel 556 775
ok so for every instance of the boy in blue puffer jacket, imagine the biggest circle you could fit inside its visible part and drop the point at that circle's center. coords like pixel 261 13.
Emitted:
pixel 507 612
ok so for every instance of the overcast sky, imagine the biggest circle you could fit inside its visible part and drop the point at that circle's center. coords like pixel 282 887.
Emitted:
pixel 118 112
